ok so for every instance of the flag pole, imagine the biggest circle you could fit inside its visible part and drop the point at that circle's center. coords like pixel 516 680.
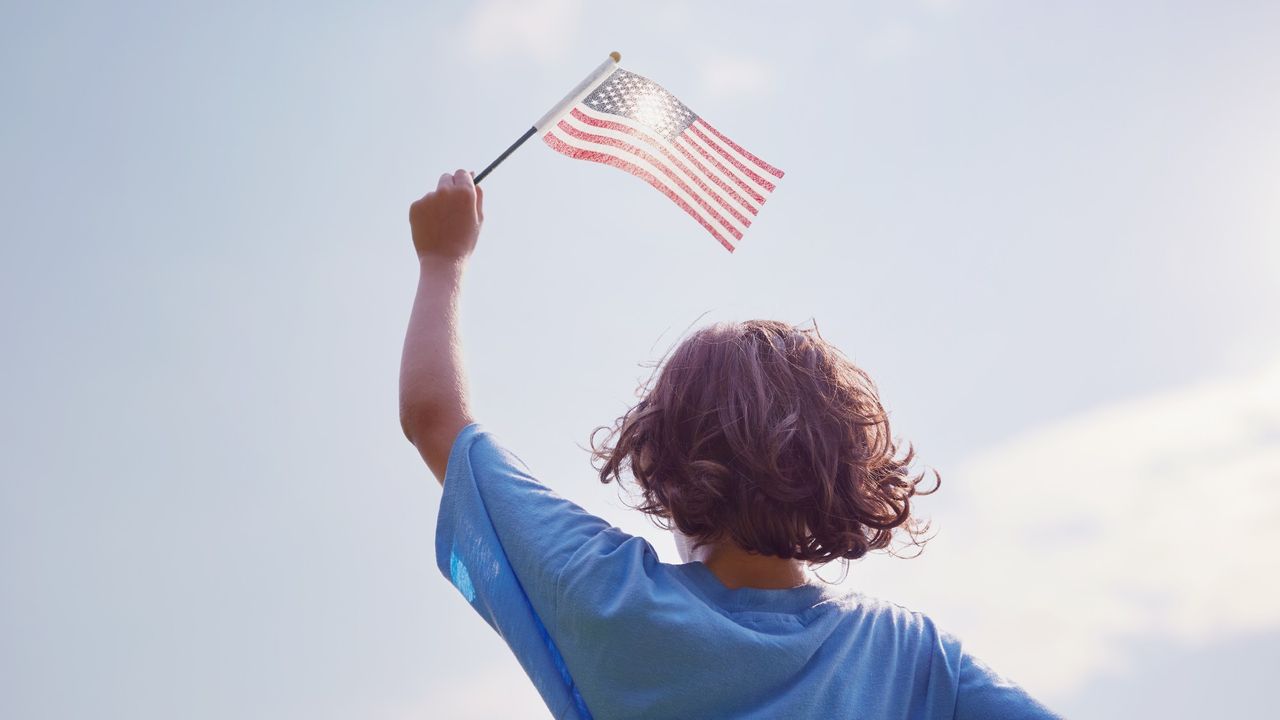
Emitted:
pixel 575 96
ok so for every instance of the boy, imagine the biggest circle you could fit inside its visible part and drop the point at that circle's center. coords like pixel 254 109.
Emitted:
pixel 766 450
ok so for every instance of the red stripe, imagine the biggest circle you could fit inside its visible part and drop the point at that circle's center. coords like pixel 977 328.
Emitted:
pixel 736 163
pixel 763 165
pixel 715 178
pixel 568 129
pixel 583 154
pixel 659 145
pixel 726 172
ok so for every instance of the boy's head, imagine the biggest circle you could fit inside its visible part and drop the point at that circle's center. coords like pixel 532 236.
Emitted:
pixel 765 435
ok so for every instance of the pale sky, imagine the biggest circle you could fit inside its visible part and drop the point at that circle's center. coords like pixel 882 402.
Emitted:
pixel 1051 232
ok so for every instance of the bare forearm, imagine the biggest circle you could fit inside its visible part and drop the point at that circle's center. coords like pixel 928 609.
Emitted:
pixel 433 393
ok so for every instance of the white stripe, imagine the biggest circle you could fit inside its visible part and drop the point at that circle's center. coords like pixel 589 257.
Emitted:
pixel 695 140
pixel 656 150
pixel 743 206
pixel 662 142
pixel 730 174
pixel 726 177
pixel 644 165
pixel 702 125
pixel 690 200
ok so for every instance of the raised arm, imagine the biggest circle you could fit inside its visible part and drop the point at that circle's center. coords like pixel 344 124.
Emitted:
pixel 433 392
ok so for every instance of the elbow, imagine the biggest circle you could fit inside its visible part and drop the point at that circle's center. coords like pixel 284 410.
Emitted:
pixel 414 417
pixel 429 422
pixel 432 429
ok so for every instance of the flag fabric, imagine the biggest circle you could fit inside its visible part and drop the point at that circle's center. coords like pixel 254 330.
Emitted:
pixel 633 124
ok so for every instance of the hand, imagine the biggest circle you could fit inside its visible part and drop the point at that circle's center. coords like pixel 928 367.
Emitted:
pixel 446 222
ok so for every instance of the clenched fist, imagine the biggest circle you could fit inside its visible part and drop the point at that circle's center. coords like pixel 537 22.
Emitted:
pixel 446 221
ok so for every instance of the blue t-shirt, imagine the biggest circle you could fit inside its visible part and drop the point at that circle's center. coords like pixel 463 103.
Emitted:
pixel 605 630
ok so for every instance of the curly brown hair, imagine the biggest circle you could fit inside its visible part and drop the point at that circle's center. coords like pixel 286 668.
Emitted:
pixel 765 434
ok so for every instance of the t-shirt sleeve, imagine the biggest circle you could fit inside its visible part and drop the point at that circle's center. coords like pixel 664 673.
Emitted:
pixel 504 539
pixel 984 694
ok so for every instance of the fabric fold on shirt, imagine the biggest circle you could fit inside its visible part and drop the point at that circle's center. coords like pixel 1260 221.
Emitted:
pixel 470 555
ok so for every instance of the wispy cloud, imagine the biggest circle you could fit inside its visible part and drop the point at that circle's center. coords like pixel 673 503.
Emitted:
pixel 890 42
pixel 902 34
pixel 1150 518
pixel 737 76
pixel 538 29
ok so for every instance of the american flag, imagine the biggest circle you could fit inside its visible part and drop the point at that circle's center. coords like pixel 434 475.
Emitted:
pixel 632 123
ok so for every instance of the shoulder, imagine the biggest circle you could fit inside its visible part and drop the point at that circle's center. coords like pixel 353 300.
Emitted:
pixel 609 560
pixel 888 611
pixel 903 626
